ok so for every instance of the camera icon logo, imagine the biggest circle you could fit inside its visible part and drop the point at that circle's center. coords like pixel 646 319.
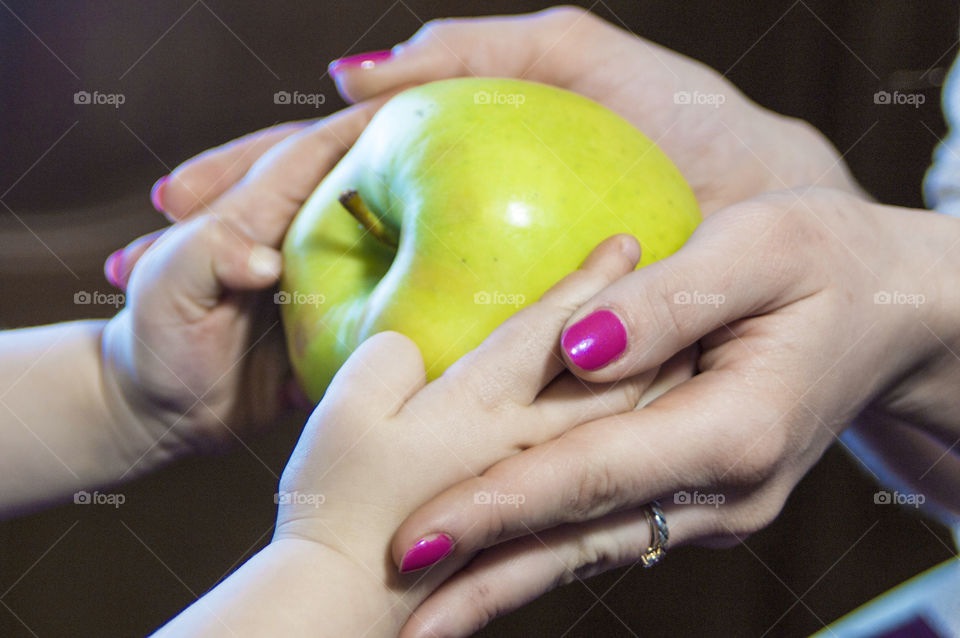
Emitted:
pixel 882 497
pixel 481 298
pixel 682 298
pixel 881 97
pixel 282 97
pixel 282 298
pixel 81 97
pixel 481 97
pixel 82 498
pixel 482 498
pixel 82 298
pixel 682 497
pixel 882 298
pixel 682 97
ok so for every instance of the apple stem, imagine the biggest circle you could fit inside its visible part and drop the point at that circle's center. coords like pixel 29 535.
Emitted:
pixel 351 200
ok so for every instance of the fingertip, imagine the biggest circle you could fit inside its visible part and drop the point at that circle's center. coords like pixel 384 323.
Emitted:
pixel 265 263
pixel 630 247
pixel 157 193
pixel 112 269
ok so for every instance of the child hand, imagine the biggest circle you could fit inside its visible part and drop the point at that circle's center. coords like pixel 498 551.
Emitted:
pixel 195 359
pixel 382 442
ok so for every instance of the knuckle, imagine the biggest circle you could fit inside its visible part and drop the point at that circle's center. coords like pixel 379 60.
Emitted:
pixel 753 452
pixel 437 29
pixel 755 515
pixel 592 493
pixel 566 15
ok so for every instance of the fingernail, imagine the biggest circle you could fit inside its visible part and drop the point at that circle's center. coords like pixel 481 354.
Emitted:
pixel 112 268
pixel 630 248
pixel 265 261
pixel 360 61
pixel 425 552
pixel 156 193
pixel 595 340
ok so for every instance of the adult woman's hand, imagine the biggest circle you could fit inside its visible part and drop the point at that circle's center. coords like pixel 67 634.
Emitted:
pixel 726 146
pixel 808 305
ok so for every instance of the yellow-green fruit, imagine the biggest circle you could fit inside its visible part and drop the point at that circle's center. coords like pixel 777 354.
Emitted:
pixel 497 188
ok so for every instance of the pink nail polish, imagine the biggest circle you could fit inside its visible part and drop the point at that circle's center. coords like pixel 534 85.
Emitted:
pixel 425 552
pixel 360 61
pixel 112 268
pixel 156 193
pixel 595 340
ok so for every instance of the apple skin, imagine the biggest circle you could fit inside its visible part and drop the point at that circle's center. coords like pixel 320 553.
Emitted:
pixel 499 188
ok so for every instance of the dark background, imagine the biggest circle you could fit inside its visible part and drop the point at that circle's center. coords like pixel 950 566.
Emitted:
pixel 74 183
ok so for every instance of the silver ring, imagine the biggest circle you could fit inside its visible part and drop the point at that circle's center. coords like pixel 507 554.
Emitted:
pixel 659 535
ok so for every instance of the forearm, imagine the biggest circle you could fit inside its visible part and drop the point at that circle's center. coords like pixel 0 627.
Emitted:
pixel 295 588
pixel 58 434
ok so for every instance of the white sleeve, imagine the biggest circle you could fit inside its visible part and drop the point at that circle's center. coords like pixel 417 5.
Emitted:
pixel 941 186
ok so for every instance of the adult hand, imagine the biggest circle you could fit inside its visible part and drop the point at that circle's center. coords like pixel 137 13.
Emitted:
pixel 808 305
pixel 726 146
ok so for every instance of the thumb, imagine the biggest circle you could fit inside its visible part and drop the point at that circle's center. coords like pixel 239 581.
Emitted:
pixel 196 261
pixel 729 269
pixel 550 46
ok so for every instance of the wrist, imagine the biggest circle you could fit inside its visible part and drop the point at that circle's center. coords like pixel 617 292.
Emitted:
pixel 810 158
pixel 142 433
pixel 295 587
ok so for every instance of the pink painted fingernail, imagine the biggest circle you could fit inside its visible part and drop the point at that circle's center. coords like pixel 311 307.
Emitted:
pixel 360 61
pixel 112 268
pixel 595 340
pixel 425 552
pixel 156 193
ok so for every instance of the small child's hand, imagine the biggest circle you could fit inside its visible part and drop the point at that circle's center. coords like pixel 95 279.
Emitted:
pixel 382 442
pixel 196 357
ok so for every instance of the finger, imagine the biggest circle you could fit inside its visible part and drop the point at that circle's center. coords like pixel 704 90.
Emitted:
pixel 728 270
pixel 198 182
pixel 191 266
pixel 508 576
pixel 265 201
pixel 379 377
pixel 521 356
pixel 690 436
pixel 570 401
pixel 119 265
pixel 547 47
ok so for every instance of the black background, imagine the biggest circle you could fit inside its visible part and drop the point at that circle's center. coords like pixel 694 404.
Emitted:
pixel 196 74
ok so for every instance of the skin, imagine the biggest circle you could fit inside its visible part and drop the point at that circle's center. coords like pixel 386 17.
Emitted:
pixel 383 440
pixel 774 375
pixel 417 166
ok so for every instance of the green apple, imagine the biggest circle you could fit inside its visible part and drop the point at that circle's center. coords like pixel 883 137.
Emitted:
pixel 462 201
